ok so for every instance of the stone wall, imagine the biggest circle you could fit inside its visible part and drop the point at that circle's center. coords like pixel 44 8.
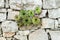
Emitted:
pixel 50 16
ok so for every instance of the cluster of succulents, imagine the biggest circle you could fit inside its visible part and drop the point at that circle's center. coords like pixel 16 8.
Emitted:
pixel 27 17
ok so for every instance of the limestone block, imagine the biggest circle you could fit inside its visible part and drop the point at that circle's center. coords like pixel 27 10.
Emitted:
pixel 55 35
pixel 43 13
pixel 47 23
pixel 1 3
pixel 2 15
pixel 38 35
pixel 54 13
pixel 11 14
pixel 2 38
pixel 9 26
pixel 49 4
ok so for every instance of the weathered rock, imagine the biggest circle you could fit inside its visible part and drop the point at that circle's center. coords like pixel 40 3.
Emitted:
pixel 1 3
pixel 20 37
pixel 49 4
pixel 32 4
pixel 56 24
pixel 55 35
pixel 2 38
pixel 2 15
pixel 8 34
pixel 7 4
pixel 12 14
pixel 15 4
pixel 26 32
pixel 39 34
pixel 9 38
pixel 43 14
pixel 54 13
pixel 47 23
pixel 9 26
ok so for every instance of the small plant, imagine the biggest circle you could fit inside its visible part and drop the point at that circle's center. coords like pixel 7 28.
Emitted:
pixel 27 17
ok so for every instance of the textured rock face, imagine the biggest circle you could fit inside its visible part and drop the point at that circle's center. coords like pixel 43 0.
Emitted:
pixel 2 15
pixel 1 3
pixel 7 26
pixel 50 20
pixel 49 4
pixel 38 35
pixel 11 14
pixel 2 38
pixel 54 13
pixel 55 35
pixel 47 23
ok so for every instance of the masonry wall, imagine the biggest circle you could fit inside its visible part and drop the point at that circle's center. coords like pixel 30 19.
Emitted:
pixel 50 16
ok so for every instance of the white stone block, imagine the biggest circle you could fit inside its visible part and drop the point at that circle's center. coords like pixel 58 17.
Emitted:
pixel 2 38
pixel 54 13
pixel 1 3
pixel 20 37
pixel 43 13
pixel 26 32
pixel 38 35
pixel 8 34
pixel 47 23
pixel 55 35
pixel 49 4
pixel 2 15
pixel 12 14
pixel 15 4
pixel 56 24
pixel 9 26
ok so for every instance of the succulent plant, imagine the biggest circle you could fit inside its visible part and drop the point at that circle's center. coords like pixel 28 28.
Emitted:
pixel 38 10
pixel 27 21
pixel 17 17
pixel 35 20
pixel 22 13
pixel 30 12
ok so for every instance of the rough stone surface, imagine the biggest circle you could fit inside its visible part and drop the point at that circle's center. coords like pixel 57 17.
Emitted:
pixel 38 35
pixel 54 13
pixel 7 26
pixel 1 3
pixel 49 4
pixel 47 23
pixel 8 34
pixel 43 13
pixel 11 14
pixel 2 15
pixel 2 38
pixel 55 35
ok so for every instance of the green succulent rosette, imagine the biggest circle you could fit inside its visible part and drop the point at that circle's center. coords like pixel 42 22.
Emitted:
pixel 37 10
pixel 27 21
pixel 23 13
pixel 35 20
pixel 30 13
pixel 17 18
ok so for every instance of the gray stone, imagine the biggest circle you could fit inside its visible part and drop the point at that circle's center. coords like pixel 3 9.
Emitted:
pixel 9 26
pixel 2 15
pixel 15 4
pixel 39 34
pixel 47 23
pixel 43 13
pixel 56 24
pixel 49 4
pixel 54 13
pixel 26 32
pixel 20 37
pixel 12 14
pixel 2 38
pixel 8 34
pixel 55 35
pixel 1 3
